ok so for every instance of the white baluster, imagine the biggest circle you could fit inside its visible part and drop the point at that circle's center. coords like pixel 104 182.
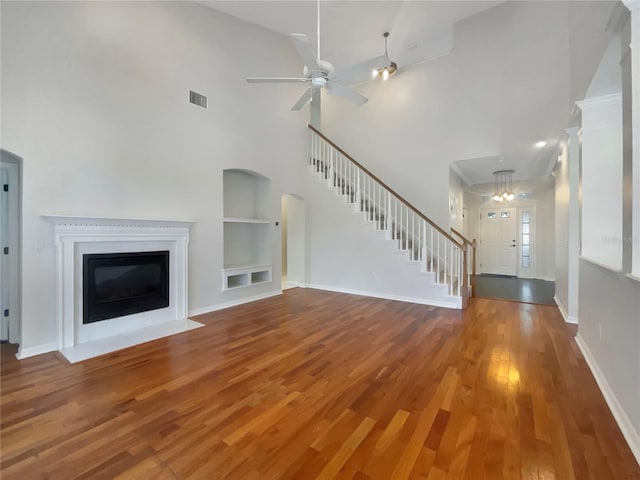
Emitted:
pixel 358 190
pixel 444 260
pixel 423 243
pixel 387 223
pixel 395 219
pixel 406 230
pixel 413 235
pixel 460 269
pixel 438 257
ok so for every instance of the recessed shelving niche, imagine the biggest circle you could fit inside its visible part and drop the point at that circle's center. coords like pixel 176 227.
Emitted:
pixel 247 231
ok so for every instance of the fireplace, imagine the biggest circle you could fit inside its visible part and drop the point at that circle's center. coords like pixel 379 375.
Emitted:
pixel 119 284
pixel 155 250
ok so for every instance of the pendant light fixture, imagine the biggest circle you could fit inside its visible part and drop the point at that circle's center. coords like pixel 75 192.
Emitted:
pixel 503 185
pixel 389 70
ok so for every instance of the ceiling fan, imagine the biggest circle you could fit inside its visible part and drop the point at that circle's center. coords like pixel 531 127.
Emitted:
pixel 321 74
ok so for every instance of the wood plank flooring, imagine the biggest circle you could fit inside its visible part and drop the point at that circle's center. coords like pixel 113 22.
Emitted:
pixel 320 385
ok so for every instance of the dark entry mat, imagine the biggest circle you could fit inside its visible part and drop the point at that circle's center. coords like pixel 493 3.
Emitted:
pixel 515 289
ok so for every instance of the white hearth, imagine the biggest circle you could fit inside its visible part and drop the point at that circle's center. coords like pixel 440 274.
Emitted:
pixel 77 236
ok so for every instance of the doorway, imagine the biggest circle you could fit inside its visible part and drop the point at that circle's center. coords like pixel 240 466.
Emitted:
pixel 294 273
pixel 498 234
pixel 10 249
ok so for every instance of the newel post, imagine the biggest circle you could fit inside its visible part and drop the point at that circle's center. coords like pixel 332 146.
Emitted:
pixel 474 244
pixel 465 275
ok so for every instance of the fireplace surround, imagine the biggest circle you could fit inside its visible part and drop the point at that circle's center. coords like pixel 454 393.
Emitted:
pixel 77 237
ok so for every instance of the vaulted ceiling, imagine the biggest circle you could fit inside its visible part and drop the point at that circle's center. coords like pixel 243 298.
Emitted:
pixel 538 58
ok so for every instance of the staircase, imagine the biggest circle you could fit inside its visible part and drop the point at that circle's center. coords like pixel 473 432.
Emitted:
pixel 424 242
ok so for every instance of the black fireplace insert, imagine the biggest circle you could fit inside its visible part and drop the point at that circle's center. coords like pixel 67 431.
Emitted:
pixel 118 284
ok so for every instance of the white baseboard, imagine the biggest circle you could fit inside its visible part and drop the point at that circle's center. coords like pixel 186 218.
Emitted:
pixel 233 303
pixel 628 431
pixel 296 284
pixel 37 350
pixel 421 301
pixel 567 318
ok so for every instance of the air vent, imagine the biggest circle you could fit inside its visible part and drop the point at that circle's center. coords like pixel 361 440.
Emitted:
pixel 197 99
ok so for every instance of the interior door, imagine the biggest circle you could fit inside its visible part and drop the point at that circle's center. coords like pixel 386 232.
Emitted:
pixel 4 258
pixel 498 237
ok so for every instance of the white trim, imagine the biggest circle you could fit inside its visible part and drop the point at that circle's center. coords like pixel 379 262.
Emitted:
pixel 456 303
pixel 36 350
pixel 628 431
pixel 635 278
pixel 102 346
pixel 244 220
pixel 603 266
pixel 601 101
pixel 461 174
pixel 74 222
pixel 567 318
pixel 296 284
pixel 233 303
pixel 634 8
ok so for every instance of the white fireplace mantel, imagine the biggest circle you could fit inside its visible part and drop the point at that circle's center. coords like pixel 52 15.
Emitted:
pixel 75 236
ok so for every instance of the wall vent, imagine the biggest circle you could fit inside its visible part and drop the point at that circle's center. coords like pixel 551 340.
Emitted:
pixel 197 99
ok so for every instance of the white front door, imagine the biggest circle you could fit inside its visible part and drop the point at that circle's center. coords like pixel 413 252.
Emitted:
pixel 498 227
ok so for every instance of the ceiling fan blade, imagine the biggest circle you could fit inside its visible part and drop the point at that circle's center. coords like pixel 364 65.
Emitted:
pixel 276 80
pixel 362 69
pixel 346 93
pixel 305 49
pixel 306 96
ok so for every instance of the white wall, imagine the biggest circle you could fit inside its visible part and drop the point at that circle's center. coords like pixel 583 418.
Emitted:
pixel 347 254
pixel 602 179
pixel 609 335
pixel 295 217
pixel 461 106
pixel 95 100
pixel 567 228
pixel 456 201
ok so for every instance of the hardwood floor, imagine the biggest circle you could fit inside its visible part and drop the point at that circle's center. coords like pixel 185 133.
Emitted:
pixel 315 384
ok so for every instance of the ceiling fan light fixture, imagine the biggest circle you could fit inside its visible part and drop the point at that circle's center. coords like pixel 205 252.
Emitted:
pixel 391 69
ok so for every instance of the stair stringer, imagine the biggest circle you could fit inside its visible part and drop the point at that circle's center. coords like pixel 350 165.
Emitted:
pixel 348 254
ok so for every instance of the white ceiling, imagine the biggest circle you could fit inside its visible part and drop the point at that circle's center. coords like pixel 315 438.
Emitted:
pixel 351 31
pixel 525 87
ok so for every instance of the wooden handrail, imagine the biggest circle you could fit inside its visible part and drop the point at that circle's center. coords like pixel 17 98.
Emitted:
pixel 465 239
pixel 393 192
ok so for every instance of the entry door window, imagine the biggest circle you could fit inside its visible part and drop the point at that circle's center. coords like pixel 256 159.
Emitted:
pixel 526 239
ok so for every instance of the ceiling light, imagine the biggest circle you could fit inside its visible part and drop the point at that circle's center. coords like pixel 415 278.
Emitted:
pixel 503 185
pixel 389 70
pixel 541 144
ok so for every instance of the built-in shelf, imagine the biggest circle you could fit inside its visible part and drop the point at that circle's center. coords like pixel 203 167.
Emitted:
pixel 245 276
pixel 247 247
pixel 245 220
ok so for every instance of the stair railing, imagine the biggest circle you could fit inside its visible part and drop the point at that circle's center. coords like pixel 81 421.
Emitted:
pixel 471 266
pixel 426 241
